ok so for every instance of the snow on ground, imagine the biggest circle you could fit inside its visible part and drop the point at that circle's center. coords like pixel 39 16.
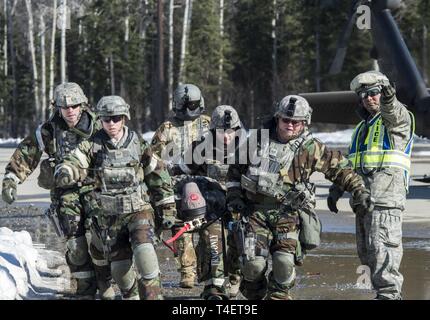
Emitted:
pixel 26 271
pixel 342 137
pixel 13 143
pixel 338 137
pixel 148 136
pixel 10 142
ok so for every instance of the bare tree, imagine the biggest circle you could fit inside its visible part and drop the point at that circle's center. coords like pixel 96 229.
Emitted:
pixel 170 61
pixel 5 48
pixel 317 53
pixel 64 20
pixel 43 65
pixel 33 58
pixel 274 52
pixel 52 55
pixel 123 84
pixel 112 74
pixel 185 26
pixel 221 58
pixel 160 87
pixel 12 53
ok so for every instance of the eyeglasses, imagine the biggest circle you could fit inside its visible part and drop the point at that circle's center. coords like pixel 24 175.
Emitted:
pixel 370 93
pixel 68 107
pixel 114 119
pixel 293 122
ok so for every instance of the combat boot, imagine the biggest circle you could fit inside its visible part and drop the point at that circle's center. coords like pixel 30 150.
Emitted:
pixel 255 290
pixel 211 292
pixel 278 291
pixel 103 276
pixel 187 280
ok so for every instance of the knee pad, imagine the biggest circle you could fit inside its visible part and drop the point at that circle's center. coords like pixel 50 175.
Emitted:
pixel 123 274
pixel 77 251
pixel 253 270
pixel 146 261
pixel 283 269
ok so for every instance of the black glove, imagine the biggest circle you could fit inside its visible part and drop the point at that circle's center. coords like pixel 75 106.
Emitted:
pixel 335 193
pixel 388 93
pixel 362 202
pixel 236 205
pixel 9 190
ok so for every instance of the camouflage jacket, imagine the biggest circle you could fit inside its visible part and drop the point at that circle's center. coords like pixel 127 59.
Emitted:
pixel 388 186
pixel 177 134
pixel 312 155
pixel 82 163
pixel 54 138
pixel 214 165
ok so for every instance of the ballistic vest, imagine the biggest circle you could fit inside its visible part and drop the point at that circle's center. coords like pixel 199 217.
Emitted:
pixel 371 147
pixel 267 177
pixel 120 176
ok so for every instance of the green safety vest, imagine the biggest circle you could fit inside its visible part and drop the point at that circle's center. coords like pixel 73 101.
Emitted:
pixel 376 150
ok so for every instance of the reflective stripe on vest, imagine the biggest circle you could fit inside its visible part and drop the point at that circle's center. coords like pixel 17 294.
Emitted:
pixel 376 151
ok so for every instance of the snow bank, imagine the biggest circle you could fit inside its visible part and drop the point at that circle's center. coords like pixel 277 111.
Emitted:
pixel 10 142
pixel 25 272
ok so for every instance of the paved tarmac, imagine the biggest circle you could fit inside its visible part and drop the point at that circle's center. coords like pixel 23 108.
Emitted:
pixel 329 272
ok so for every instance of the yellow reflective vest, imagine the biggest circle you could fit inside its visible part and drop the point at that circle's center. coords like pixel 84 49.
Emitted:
pixel 374 149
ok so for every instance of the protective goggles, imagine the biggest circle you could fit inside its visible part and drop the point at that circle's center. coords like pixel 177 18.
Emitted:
pixel 369 93
pixel 114 119
pixel 68 107
pixel 293 122
pixel 191 105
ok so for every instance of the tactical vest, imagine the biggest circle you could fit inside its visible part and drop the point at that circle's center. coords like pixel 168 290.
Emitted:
pixel 120 185
pixel 216 170
pixel 63 142
pixel 371 148
pixel 188 133
pixel 268 177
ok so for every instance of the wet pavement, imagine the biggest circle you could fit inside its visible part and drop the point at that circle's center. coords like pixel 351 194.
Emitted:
pixel 329 272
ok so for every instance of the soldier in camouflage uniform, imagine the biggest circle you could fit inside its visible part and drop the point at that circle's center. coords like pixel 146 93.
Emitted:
pixel 276 198
pixel 170 141
pixel 70 123
pixel 225 123
pixel 380 152
pixel 124 169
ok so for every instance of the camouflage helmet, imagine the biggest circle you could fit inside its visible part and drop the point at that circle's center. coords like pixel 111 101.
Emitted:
pixel 188 102
pixel 367 80
pixel 225 117
pixel 294 107
pixel 112 106
pixel 69 94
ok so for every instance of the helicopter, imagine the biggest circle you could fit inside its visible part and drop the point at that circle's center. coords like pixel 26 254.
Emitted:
pixel 393 58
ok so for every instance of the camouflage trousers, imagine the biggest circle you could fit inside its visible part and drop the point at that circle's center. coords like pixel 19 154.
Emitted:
pixel 276 233
pixel 117 241
pixel 379 246
pixel 210 261
pixel 186 254
pixel 71 217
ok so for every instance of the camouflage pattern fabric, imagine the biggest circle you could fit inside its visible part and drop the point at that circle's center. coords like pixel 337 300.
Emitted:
pixel 181 134
pixel 25 160
pixel 379 241
pixel 276 227
pixel 122 233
